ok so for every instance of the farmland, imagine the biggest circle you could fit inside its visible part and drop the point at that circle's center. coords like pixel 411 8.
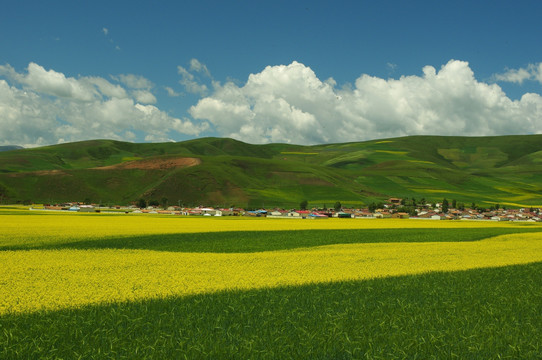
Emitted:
pixel 144 286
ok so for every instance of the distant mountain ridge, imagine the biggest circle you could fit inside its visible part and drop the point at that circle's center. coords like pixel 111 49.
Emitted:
pixel 10 147
pixel 224 172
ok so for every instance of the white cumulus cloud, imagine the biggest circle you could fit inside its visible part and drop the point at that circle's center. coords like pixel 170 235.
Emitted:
pixel 197 66
pixel 134 81
pixel 41 107
pixel 144 96
pixel 531 72
pixel 289 103
pixel 190 82
pixel 171 92
pixel 51 82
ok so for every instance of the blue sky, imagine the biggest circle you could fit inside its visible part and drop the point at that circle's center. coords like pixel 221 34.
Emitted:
pixel 303 72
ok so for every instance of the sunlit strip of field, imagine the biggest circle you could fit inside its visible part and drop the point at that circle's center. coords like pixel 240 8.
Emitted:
pixel 392 152
pixel 55 279
pixel 48 228
pixel 298 153
pixel 507 203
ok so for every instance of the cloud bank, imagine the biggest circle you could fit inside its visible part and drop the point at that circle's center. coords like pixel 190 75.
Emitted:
pixel 42 107
pixel 284 103
pixel 289 103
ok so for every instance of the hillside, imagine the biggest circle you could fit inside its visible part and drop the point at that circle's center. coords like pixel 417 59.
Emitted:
pixel 224 172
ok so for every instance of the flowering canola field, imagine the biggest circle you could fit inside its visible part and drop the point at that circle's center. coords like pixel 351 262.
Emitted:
pixel 36 280
pixel 53 228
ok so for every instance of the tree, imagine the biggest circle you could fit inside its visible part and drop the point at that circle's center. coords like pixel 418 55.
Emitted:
pixel 372 207
pixel 303 205
pixel 164 202
pixel 141 203
pixel 454 204
pixel 445 206
pixel 338 206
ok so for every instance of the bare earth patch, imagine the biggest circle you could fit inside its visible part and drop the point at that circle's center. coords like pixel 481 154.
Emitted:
pixel 154 164
pixel 41 173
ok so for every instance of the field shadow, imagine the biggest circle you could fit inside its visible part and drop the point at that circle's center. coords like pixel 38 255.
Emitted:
pixel 257 241
pixel 472 313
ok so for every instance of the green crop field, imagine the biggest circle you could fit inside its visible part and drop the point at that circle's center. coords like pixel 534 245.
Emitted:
pixel 475 314
pixel 102 286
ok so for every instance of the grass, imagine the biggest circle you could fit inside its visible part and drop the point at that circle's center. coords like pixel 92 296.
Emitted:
pixel 483 314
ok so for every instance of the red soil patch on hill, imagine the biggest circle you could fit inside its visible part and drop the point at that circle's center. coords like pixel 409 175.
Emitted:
pixel 154 164
pixel 40 173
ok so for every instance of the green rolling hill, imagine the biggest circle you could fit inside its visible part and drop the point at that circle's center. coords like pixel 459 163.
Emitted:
pixel 223 172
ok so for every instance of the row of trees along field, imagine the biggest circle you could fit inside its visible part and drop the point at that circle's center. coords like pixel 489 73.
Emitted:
pixel 410 205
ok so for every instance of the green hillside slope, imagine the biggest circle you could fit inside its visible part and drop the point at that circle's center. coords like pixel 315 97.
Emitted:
pixel 224 172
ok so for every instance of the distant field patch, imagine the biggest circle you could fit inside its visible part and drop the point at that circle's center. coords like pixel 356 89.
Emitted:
pixel 437 191
pixel 421 161
pixel 350 157
pixel 513 204
pixel 392 152
pixel 298 153
pixel 131 158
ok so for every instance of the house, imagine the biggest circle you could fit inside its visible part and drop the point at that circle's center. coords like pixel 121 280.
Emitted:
pixel 316 215
pixel 394 201
pixel 382 214
pixel 87 208
pixel 277 214
pixel 401 215
pixel 364 213
pixel 231 212
pixel 209 211
pixel 299 214
pixel 256 213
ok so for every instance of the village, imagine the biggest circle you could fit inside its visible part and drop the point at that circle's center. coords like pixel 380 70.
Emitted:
pixel 393 208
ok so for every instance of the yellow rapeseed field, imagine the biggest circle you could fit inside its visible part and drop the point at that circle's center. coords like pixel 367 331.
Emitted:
pixel 35 280
pixel 38 280
pixel 64 227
